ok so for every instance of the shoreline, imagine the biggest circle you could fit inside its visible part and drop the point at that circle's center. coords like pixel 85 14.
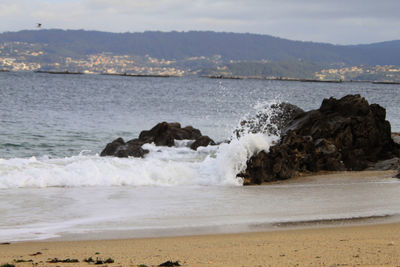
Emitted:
pixel 336 177
pixel 373 240
pixel 376 244
pixel 314 181
pixel 310 179
pixel 222 229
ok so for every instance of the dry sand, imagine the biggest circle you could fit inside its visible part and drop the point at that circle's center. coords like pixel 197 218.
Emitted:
pixel 367 245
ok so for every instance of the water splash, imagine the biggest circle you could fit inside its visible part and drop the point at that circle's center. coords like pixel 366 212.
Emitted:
pixel 163 166
pixel 262 121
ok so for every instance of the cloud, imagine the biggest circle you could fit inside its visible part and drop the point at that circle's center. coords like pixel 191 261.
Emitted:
pixel 340 21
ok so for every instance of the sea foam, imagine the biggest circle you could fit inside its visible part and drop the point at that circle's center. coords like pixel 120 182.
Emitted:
pixel 163 166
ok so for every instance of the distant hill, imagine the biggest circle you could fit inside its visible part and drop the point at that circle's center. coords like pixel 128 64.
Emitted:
pixel 231 46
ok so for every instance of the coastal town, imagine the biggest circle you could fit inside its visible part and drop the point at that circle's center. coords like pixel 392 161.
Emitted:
pixel 17 56
pixel 21 56
pixel 362 72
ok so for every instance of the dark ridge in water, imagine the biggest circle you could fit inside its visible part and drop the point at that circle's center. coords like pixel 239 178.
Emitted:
pixel 12 145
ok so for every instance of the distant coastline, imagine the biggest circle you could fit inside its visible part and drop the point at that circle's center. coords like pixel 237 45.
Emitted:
pixel 171 54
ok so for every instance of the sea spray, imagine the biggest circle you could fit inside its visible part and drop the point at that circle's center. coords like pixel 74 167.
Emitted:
pixel 163 166
pixel 232 158
pixel 254 133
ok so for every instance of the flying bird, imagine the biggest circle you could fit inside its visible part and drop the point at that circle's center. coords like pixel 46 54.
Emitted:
pixel 38 25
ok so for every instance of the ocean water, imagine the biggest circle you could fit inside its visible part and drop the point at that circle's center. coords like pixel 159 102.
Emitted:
pixel 54 184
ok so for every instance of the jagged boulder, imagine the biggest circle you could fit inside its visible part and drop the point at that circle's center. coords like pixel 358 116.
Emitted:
pixel 343 134
pixel 119 148
pixel 163 134
pixel 202 141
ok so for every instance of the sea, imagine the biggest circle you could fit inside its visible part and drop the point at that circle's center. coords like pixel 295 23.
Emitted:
pixel 54 184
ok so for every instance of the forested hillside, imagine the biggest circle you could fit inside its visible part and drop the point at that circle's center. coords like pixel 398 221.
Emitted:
pixel 179 45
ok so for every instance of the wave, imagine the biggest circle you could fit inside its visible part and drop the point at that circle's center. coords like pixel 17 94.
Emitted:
pixel 163 166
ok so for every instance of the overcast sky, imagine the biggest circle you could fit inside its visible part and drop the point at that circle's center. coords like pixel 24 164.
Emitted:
pixel 333 21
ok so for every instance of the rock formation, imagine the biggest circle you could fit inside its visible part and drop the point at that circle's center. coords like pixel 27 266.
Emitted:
pixel 202 141
pixel 163 134
pixel 344 134
pixel 119 148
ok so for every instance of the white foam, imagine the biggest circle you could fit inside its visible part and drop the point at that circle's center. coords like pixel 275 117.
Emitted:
pixel 163 166
pixel 231 158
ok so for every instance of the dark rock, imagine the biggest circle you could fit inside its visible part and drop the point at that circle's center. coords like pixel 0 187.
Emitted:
pixel 113 147
pixel 202 141
pixel 119 148
pixel 98 261
pixel 109 260
pixel 163 134
pixel 89 260
pixel 56 260
pixel 170 263
pixel 344 134
pixel 397 175
pixel 357 129
pixel 271 120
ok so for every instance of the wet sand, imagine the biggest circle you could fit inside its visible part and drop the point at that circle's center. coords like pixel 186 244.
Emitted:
pixel 339 177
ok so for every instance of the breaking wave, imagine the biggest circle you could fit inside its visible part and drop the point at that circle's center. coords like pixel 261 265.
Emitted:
pixel 163 166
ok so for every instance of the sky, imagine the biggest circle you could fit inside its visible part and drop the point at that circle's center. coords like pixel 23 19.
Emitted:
pixel 331 21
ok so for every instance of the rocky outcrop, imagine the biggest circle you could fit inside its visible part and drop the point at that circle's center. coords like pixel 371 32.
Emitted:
pixel 163 134
pixel 344 134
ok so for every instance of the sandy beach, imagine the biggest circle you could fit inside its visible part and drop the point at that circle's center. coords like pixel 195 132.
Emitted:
pixel 367 245
pixel 373 242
